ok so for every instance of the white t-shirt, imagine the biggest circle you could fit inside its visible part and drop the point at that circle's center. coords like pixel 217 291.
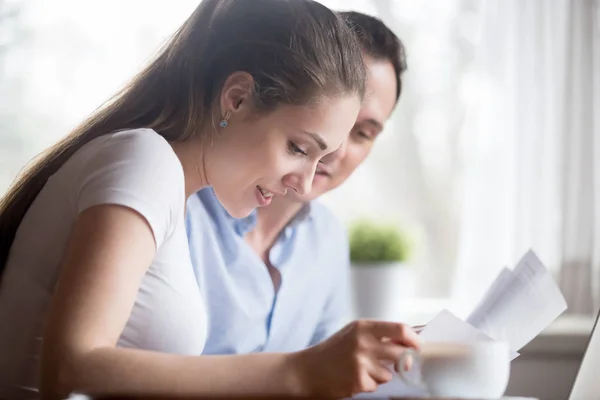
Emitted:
pixel 137 169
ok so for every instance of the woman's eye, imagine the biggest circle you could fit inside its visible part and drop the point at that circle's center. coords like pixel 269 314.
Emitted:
pixel 295 149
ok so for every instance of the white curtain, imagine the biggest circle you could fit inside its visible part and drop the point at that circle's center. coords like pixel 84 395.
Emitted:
pixel 411 177
pixel 531 146
pixel 493 148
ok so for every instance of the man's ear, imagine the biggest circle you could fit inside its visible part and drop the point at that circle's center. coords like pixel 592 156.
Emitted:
pixel 236 93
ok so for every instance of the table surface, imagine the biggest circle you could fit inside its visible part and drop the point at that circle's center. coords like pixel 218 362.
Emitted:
pixel 279 397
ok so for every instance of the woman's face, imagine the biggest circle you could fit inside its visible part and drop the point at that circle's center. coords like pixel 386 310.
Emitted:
pixel 256 157
pixel 375 110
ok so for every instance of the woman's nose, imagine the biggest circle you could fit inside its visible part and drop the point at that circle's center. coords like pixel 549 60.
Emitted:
pixel 301 182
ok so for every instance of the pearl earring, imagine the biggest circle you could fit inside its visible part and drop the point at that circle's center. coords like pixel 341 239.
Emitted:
pixel 225 121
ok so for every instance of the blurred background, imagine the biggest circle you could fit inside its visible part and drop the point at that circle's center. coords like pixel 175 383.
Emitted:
pixel 493 149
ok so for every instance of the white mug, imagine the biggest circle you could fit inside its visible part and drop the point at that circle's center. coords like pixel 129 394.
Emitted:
pixel 462 370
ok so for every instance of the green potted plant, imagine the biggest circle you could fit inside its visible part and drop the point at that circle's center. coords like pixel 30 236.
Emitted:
pixel 381 274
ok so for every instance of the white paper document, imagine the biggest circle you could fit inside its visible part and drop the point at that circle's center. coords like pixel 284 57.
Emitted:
pixel 488 300
pixel 447 327
pixel 520 303
pixel 444 327
pixel 516 308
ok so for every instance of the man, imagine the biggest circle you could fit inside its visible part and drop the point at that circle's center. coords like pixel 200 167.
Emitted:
pixel 278 281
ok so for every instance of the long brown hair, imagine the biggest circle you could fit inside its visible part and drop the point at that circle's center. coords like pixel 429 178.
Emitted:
pixel 294 49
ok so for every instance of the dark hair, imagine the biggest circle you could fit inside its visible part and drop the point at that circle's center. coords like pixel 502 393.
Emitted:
pixel 295 50
pixel 379 42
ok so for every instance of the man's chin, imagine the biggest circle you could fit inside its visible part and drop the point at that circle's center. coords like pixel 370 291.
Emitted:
pixel 294 197
pixel 321 183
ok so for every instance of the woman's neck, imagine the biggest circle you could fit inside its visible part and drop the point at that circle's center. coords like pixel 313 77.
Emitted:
pixel 190 156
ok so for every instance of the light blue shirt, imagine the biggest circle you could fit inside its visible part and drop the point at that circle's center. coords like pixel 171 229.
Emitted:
pixel 244 312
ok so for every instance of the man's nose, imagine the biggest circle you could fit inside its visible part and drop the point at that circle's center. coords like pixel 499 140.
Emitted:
pixel 336 155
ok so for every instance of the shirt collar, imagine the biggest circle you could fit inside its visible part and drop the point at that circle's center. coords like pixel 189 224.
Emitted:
pixel 301 216
pixel 245 225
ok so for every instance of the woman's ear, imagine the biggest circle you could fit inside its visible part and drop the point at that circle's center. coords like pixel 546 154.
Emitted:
pixel 236 93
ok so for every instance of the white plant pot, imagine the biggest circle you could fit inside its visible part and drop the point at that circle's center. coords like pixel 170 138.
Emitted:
pixel 378 289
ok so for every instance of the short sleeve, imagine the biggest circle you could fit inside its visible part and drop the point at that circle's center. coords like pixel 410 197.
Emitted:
pixel 136 169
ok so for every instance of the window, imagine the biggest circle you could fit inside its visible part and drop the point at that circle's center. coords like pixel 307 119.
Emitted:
pixel 494 147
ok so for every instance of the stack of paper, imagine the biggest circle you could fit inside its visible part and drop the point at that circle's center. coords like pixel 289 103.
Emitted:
pixel 520 304
pixel 517 307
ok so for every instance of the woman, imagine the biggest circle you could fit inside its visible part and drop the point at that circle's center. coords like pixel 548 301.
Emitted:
pixel 97 281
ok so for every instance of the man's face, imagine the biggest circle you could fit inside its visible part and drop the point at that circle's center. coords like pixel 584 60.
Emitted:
pixel 376 108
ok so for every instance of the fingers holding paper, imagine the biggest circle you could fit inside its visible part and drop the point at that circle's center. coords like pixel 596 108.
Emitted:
pixel 357 358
